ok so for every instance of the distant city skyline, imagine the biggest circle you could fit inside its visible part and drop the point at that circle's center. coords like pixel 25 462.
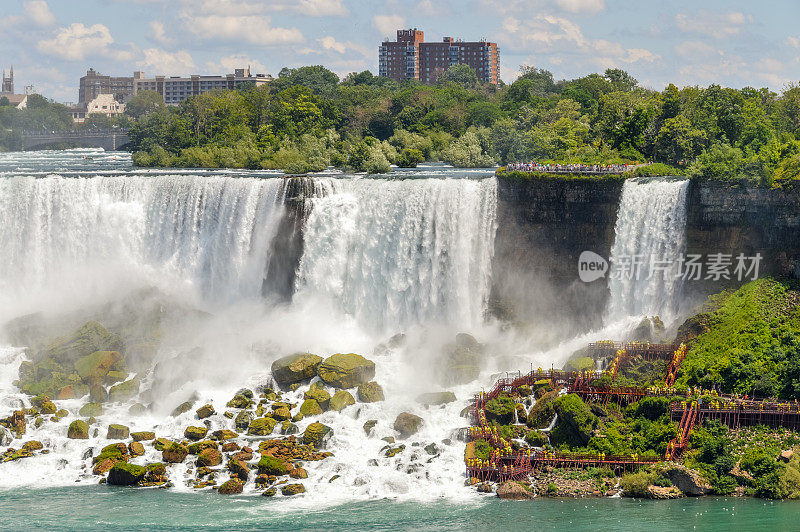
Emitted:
pixel 52 43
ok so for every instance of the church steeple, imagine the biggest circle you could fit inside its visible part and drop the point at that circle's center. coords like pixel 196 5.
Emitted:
pixel 8 82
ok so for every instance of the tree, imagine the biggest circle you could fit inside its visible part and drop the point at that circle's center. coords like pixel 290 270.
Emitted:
pixel 4 102
pixel 678 142
pixel 409 158
pixel 463 75
pixel 317 78
pixel 541 80
pixel 145 102
pixel 621 80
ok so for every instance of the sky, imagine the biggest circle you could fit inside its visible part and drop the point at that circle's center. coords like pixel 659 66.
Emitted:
pixel 52 43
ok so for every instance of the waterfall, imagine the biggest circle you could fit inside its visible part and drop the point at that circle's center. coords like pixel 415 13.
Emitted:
pixel 650 231
pixel 212 232
pixel 399 252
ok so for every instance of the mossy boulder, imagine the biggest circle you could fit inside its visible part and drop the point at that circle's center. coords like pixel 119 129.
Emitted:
pixel 282 414
pixel 98 393
pixel 288 428
pixel 174 453
pixel 200 446
pixel 94 367
pixel 239 468
pixel 118 432
pixel 44 404
pixel 143 436
pixel 298 472
pixel 124 390
pixel 340 400
pixel 233 486
pixel 370 392
pixel 243 420
pixel 224 434
pixel 269 465
pixel 346 370
pixel 114 376
pixel 136 448
pixel 182 408
pixel 205 411
pixel 209 458
pixel 369 425
pixel 262 426
pixel 318 393
pixel 462 361
pixel 310 408
pixel 32 445
pixel 292 489
pixel 576 422
pixel 407 424
pixel 78 430
pixel 115 452
pixel 91 410
pixel 90 338
pixel 542 412
pixel 580 364
pixel 125 474
pixel 239 401
pixel 316 434
pixel 295 368
pixel 195 433
pixel 436 398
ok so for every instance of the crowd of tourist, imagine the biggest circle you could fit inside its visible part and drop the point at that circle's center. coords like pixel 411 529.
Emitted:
pixel 570 168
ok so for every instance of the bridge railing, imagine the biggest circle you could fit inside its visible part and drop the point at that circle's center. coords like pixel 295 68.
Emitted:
pixel 76 133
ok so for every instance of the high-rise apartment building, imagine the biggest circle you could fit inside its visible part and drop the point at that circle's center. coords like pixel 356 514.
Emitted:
pixel 93 84
pixel 410 57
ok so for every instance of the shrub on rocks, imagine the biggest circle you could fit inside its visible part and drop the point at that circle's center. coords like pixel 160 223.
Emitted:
pixel 407 424
pixel 346 370
pixel 118 432
pixel 78 430
pixel 500 409
pixel 340 400
pixel 124 474
pixel 295 368
pixel 370 392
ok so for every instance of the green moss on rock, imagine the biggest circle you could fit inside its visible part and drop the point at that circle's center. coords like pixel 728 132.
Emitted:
pixel 370 392
pixel 295 368
pixel 78 430
pixel 124 474
pixel 262 426
pixel 346 370
pixel 340 400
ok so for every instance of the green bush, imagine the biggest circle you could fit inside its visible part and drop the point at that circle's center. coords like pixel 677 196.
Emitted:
pixel 409 158
pixel 483 450
pixel 636 484
pixel 536 438
pixel 501 410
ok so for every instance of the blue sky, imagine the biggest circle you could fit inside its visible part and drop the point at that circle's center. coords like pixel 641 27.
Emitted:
pixel 52 42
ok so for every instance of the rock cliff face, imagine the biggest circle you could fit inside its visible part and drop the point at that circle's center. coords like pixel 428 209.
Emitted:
pixel 544 225
pixel 723 219
pixel 542 228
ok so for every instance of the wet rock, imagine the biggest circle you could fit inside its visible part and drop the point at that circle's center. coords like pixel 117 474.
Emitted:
pixel 98 393
pixel 282 414
pixel 513 490
pixel 136 448
pixel 298 473
pixel 310 408
pixel 292 489
pixel 436 398
pixel 199 447
pixel 160 443
pixel 90 338
pixel 340 400
pixel 318 393
pixel 657 492
pixel 113 377
pixel 182 408
pixel 230 446
pixel 195 433
pixel 243 420
pixel 239 468
pixel 232 487
pixel 392 451
pixel 786 456
pixel 239 401
pixel 124 474
pixel 209 458
pixel 407 424
pixel 270 492
pixel 124 390
pixel 369 425
pixel 104 466
pixel 205 411
pixel 32 445
pixel 370 392
pixel 137 409
pixel 118 432
pixel 483 487
pixel 346 370
pixel 687 480
pixel 462 361
pixel 262 426
pixel 94 367
pixel 143 436
pixel 289 428
pixel 295 368
pixel 115 451
pixel 78 430
pixel 5 437
pixel 174 453
pixel 432 449
pixel 224 434
pixel 269 465
pixel 91 410
pixel 44 404
pixel 248 393
pixel 316 434
pixel 395 342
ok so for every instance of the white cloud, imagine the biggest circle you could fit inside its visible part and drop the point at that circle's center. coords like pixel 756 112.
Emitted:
pixel 558 36
pixel 794 42
pixel 716 25
pixel 251 29
pixel 158 33
pixel 313 8
pixel 431 9
pixel 77 41
pixel 582 6
pixel 330 43
pixel 39 13
pixel 696 50
pixel 167 63
pixel 388 24
pixel 322 8
pixel 230 63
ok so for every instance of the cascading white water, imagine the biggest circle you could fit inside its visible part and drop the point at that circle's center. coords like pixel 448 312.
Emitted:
pixel 650 232
pixel 211 232
pixel 394 253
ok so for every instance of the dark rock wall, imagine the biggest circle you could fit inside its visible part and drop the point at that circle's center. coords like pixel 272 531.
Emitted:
pixel 544 225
